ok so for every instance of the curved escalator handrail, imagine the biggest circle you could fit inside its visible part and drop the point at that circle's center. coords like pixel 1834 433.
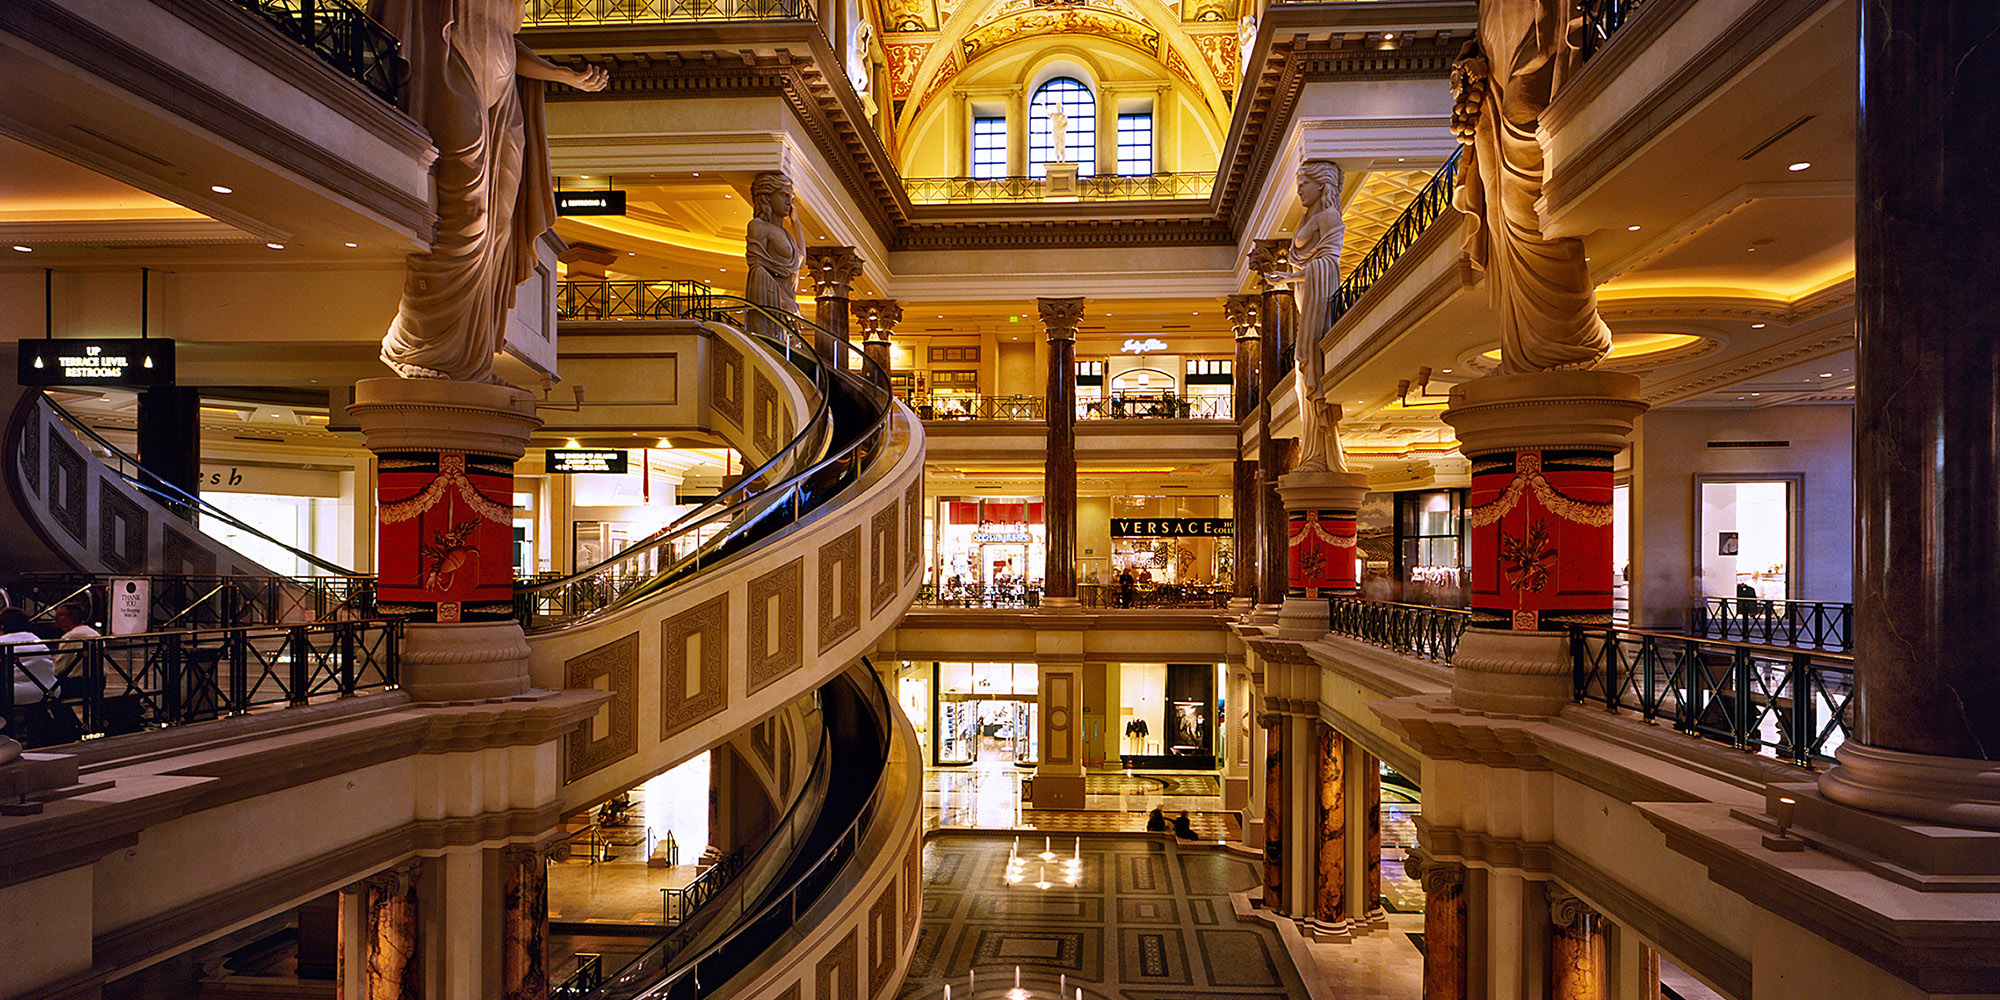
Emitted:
pixel 174 495
pixel 667 980
pixel 749 510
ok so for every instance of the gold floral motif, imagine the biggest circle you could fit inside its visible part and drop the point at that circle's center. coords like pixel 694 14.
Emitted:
pixel 1526 557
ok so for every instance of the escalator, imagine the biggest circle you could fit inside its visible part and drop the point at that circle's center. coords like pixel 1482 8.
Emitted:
pixel 83 507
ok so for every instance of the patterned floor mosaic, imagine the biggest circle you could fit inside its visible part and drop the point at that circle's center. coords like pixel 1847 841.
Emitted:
pixel 1147 921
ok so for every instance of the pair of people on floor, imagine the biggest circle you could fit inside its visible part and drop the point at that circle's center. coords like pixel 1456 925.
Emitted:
pixel 1156 822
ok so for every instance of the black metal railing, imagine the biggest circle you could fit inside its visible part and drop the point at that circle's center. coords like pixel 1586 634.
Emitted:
pixel 195 602
pixel 1411 629
pixel 341 33
pixel 1819 624
pixel 588 976
pixel 816 465
pixel 1103 187
pixel 1431 202
pixel 951 406
pixel 1196 596
pixel 680 902
pixel 1601 19
pixel 578 298
pixel 980 595
pixel 1157 405
pixel 1792 704
pixel 550 13
pixel 63 691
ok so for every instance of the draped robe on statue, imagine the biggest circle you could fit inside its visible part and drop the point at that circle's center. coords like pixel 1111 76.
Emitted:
pixel 494 199
pixel 1541 287
pixel 1315 261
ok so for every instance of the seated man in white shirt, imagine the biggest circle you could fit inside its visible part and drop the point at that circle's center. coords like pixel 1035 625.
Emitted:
pixel 34 669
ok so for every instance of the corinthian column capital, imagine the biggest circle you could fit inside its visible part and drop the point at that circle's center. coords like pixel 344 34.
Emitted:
pixel 1061 317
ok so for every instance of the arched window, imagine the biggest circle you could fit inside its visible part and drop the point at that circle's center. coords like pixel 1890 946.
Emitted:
pixel 1079 132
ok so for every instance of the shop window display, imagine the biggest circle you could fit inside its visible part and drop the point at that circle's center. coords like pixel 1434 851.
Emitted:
pixel 990 552
pixel 987 713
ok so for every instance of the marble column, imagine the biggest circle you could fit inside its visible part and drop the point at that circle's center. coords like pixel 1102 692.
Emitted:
pixel 832 271
pixel 1330 903
pixel 524 923
pixel 1369 780
pixel 1444 925
pixel 1243 311
pixel 1926 419
pixel 878 319
pixel 1274 810
pixel 1576 948
pixel 1237 742
pixel 1277 318
pixel 1060 317
pixel 445 454
pixel 380 937
pixel 1541 446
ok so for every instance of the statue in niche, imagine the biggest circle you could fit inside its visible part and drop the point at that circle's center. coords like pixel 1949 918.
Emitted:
pixel 1502 82
pixel 478 90
pixel 1058 135
pixel 1315 275
pixel 774 249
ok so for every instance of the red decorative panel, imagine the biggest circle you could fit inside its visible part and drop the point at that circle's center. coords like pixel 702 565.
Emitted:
pixel 446 536
pixel 961 512
pixel 1541 539
pixel 1320 552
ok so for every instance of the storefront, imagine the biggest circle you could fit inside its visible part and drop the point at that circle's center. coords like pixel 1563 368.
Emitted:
pixel 989 549
pixel 1168 714
pixel 1175 549
pixel 985 713
pixel 1147 385
pixel 1431 547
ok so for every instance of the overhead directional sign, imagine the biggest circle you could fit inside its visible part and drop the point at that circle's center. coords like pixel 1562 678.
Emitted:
pixel 611 460
pixel 113 362
pixel 590 203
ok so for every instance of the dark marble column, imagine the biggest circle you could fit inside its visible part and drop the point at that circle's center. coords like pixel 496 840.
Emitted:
pixel 170 436
pixel 1278 318
pixel 1576 949
pixel 524 930
pixel 1926 417
pixel 1444 925
pixel 878 319
pixel 1060 317
pixel 1244 312
pixel 832 270
pixel 1244 506
pixel 1330 868
pixel 1274 810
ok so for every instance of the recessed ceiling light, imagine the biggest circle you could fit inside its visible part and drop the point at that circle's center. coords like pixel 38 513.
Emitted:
pixel 219 189
pixel 1631 229
pixel 1825 374
pixel 1388 36
pixel 353 245
pixel 275 246
pixel 1750 249
pixel 1444 371
pixel 1756 326
pixel 728 195
pixel 583 177
pixel 23 249
pixel 631 253
pixel 1801 165
pixel 1756 394
pixel 697 173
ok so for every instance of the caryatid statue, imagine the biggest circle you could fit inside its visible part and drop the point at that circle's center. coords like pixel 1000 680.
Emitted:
pixel 1315 276
pixel 773 247
pixel 478 90
pixel 1502 82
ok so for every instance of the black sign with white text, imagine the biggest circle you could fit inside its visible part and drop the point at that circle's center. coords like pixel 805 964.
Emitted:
pixel 117 362
pixel 590 203
pixel 611 460
pixel 1168 527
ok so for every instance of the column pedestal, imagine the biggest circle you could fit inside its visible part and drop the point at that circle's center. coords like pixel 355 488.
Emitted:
pixel 1541 446
pixel 445 455
pixel 1321 509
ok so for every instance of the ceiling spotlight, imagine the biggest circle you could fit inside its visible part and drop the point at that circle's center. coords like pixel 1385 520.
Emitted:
pixel 275 246
pixel 219 189
pixel 631 253
pixel 1801 165
pixel 1444 371
pixel 697 173
pixel 1756 326
pixel 23 249
pixel 1631 229
pixel 352 246
pixel 1825 374
pixel 1756 394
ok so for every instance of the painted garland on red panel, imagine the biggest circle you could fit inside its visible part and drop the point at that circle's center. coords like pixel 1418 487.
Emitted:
pixel 446 524
pixel 1541 539
pixel 1320 552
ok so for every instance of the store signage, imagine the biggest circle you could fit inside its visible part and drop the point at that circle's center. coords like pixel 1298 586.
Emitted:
pixel 1137 346
pixel 1168 527
pixel 120 362
pixel 983 537
pixel 131 606
pixel 572 460
pixel 590 203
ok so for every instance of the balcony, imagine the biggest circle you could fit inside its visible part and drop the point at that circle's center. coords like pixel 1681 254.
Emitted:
pixel 970 190
pixel 1121 406
pixel 566 13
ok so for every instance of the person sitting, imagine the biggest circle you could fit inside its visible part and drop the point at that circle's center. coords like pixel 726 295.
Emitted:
pixel 34 669
pixel 1156 821
pixel 74 620
pixel 1183 829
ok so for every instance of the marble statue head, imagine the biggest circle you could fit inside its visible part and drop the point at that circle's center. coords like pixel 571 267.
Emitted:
pixel 771 196
pixel 1319 184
